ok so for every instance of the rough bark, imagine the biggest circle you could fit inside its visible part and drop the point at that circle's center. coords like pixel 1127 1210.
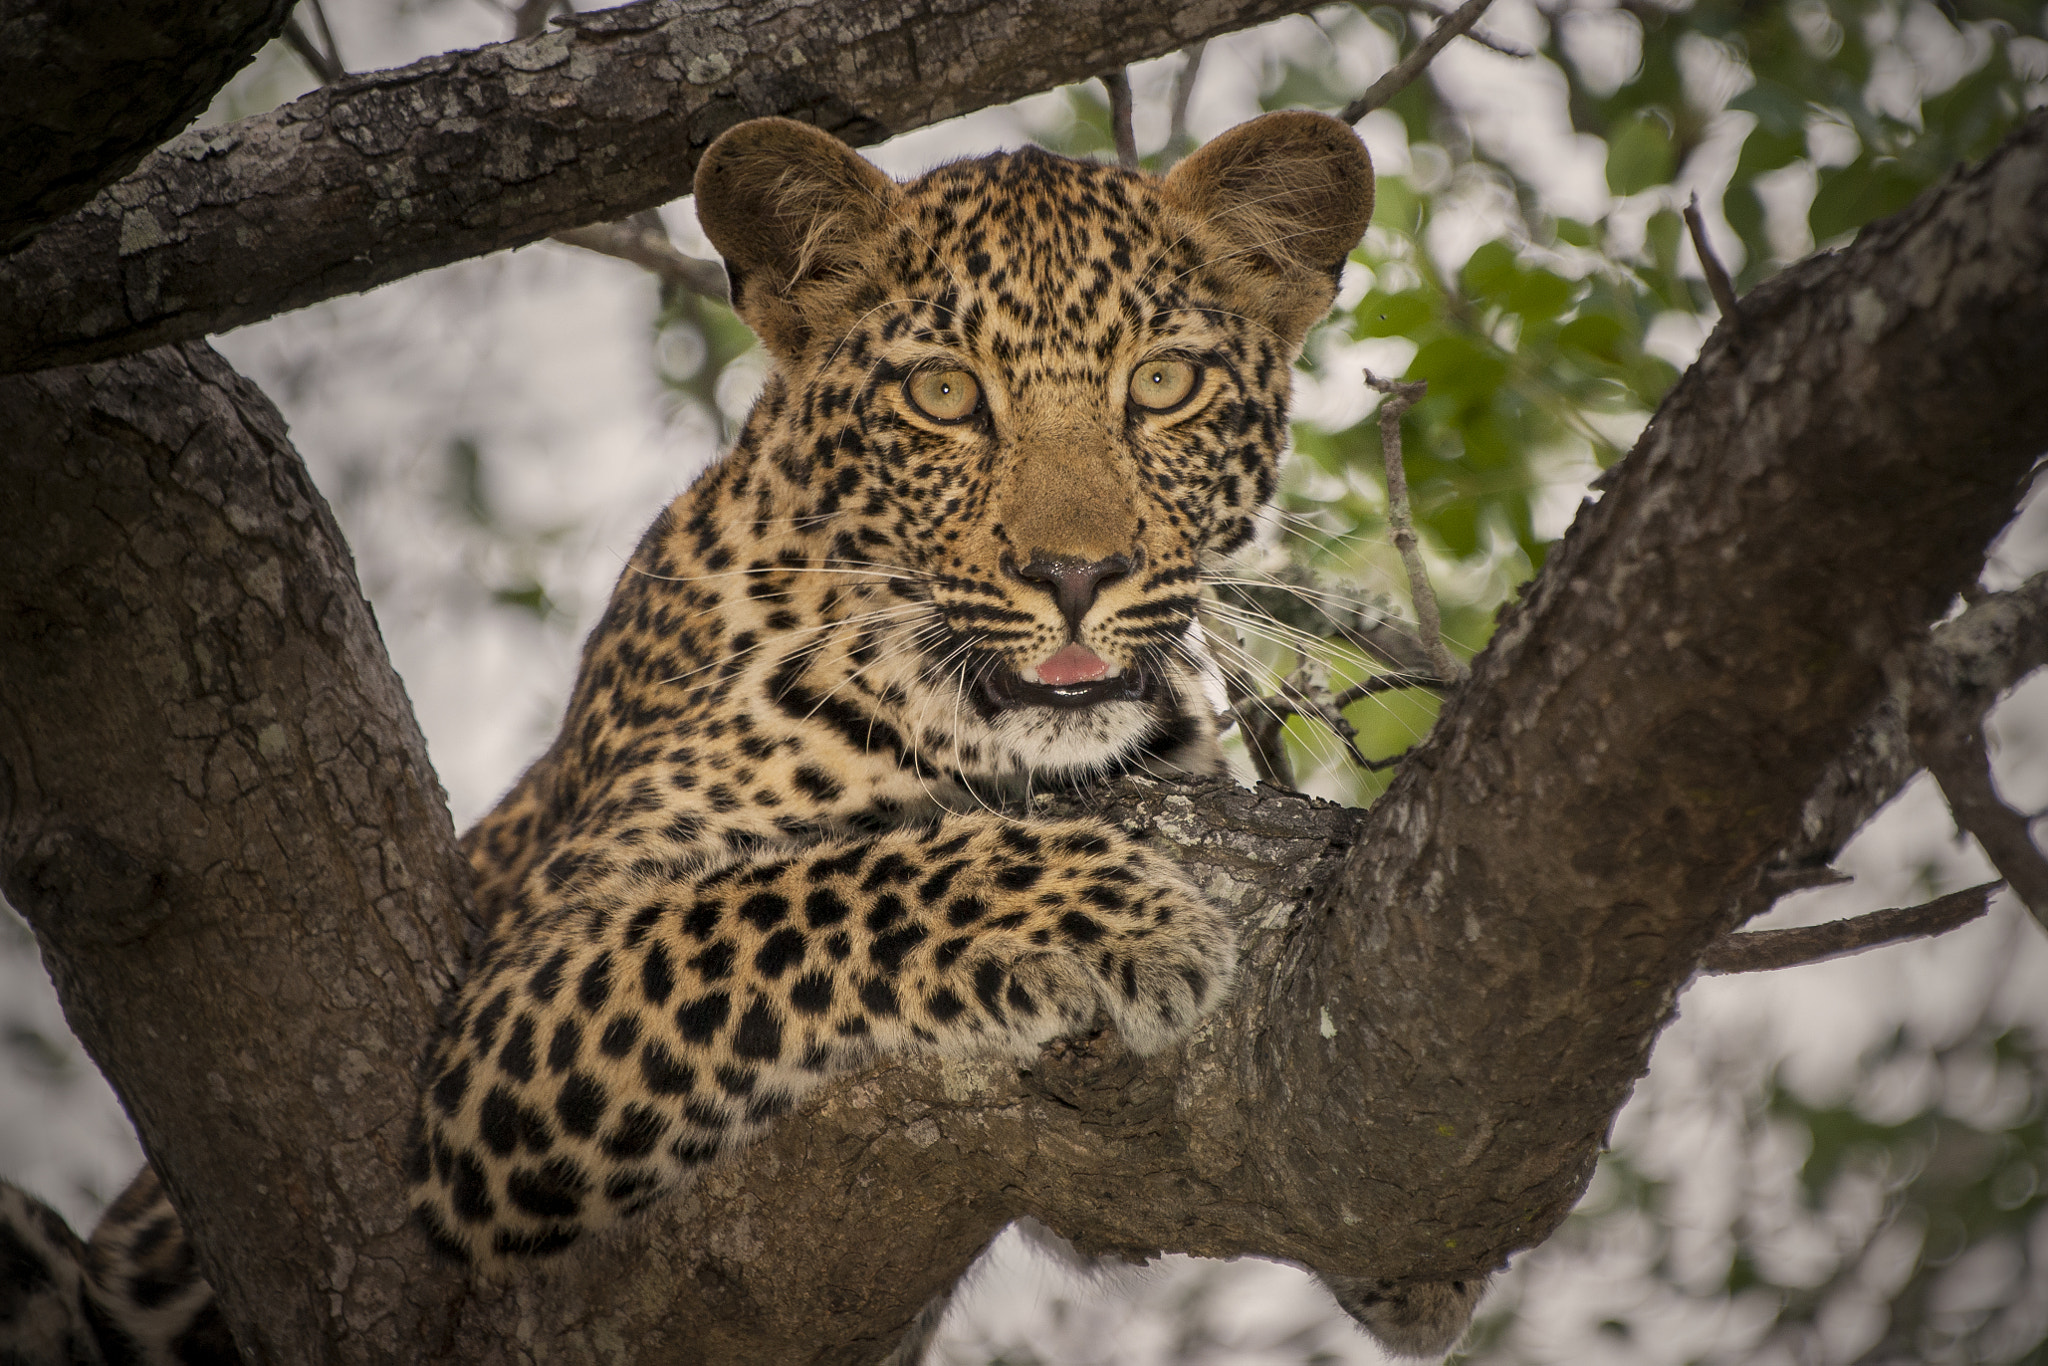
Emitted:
pixel 88 90
pixel 1446 998
pixel 380 176
pixel 217 813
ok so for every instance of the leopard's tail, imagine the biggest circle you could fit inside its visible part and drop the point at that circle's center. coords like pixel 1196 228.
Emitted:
pixel 133 1294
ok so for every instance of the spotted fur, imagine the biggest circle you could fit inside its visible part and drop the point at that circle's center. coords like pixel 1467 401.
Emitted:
pixel 132 1297
pixel 755 856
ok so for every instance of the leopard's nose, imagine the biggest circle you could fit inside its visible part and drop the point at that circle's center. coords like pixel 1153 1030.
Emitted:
pixel 1073 582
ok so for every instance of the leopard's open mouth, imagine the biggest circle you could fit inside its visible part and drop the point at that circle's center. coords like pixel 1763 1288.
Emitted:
pixel 1005 689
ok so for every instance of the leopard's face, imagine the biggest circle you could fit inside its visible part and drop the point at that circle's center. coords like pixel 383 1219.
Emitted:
pixel 1041 392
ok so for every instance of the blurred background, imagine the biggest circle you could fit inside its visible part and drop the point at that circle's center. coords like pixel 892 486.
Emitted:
pixel 1832 1164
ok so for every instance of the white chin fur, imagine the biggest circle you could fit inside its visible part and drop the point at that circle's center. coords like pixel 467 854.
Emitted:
pixel 1055 741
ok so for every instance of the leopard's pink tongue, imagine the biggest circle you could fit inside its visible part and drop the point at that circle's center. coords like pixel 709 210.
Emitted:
pixel 1074 664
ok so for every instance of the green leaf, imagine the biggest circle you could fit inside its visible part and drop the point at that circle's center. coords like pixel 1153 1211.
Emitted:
pixel 1596 335
pixel 1768 149
pixel 1779 112
pixel 1460 370
pixel 1540 294
pixel 1457 526
pixel 1574 233
pixel 1745 213
pixel 1639 156
pixel 529 596
pixel 1395 205
pixel 1849 196
pixel 1491 274
pixel 1661 236
pixel 1392 315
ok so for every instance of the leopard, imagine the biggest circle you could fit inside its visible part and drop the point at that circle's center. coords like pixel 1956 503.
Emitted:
pixel 1016 411
pixel 132 1295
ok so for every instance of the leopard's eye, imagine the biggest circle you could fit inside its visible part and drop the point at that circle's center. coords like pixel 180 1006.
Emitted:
pixel 943 395
pixel 1160 386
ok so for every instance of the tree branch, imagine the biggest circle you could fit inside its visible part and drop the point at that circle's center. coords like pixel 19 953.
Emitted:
pixel 1408 68
pixel 1951 692
pixel 1768 950
pixel 217 813
pixel 324 64
pixel 1177 140
pixel 88 90
pixel 1118 84
pixel 383 175
pixel 1476 34
pixel 1398 399
pixel 647 245
pixel 1718 283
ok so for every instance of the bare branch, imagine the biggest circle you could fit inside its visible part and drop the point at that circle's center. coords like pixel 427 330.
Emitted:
pixel 1767 950
pixel 1118 84
pixel 1262 719
pixel 324 68
pixel 1718 283
pixel 1996 642
pixel 388 173
pixel 1400 397
pixel 644 241
pixel 1476 34
pixel 531 16
pixel 88 90
pixel 1949 739
pixel 327 43
pixel 1177 139
pixel 1968 664
pixel 1408 68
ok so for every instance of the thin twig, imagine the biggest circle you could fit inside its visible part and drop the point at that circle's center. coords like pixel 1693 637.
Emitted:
pixel 531 16
pixel 325 68
pixel 1293 599
pixel 1296 696
pixel 327 37
pixel 1118 83
pixel 1946 726
pixel 1969 663
pixel 1718 283
pixel 1399 398
pixel 1379 683
pixel 1764 950
pixel 1476 34
pixel 1409 67
pixel 1262 719
pixel 1177 139
pixel 1784 881
pixel 643 241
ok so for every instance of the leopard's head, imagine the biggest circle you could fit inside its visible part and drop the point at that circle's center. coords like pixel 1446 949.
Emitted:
pixel 1048 392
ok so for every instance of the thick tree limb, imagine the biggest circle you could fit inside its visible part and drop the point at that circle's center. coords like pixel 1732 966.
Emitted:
pixel 88 90
pixel 380 176
pixel 1446 998
pixel 1769 950
pixel 217 813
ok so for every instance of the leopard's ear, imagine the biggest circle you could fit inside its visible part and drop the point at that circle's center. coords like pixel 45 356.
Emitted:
pixel 1289 194
pixel 789 207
